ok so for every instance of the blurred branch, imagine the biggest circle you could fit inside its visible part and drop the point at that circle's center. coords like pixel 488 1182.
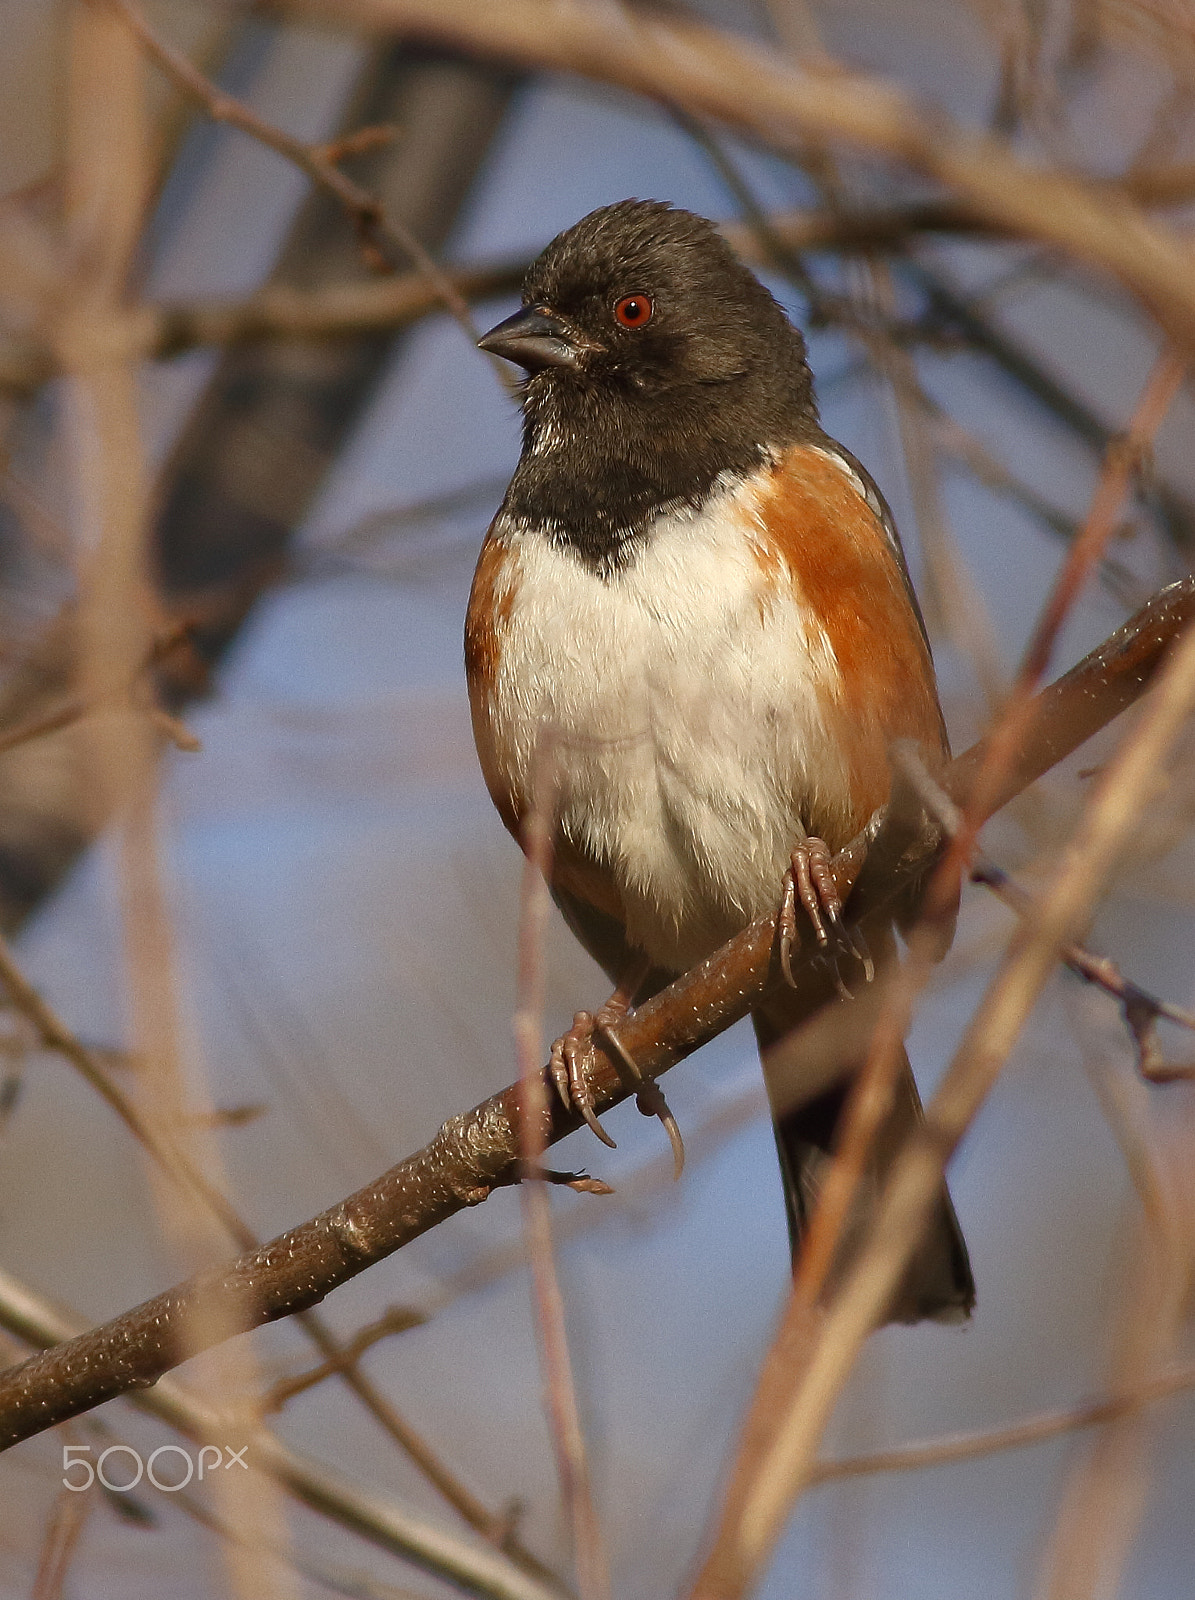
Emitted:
pixel 1141 1010
pixel 955 315
pixel 109 342
pixel 380 233
pixel 475 1569
pixel 1013 1436
pixel 1117 470
pixel 397 1320
pixel 107 178
pixel 813 1355
pixel 812 1351
pixel 343 309
pixel 723 76
pixel 480 1150
pixel 353 1584
pixel 139 691
pixel 283 311
pixel 60 1542
pixel 1105 1492
pixel 175 1164
pixel 1161 186
pixel 951 599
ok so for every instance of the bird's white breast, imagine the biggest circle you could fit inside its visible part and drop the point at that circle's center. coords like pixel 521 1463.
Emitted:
pixel 682 702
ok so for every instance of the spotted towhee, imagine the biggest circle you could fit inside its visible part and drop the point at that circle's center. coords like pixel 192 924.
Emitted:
pixel 697 602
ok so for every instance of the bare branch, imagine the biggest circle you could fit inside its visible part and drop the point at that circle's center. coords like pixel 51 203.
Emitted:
pixel 399 1319
pixel 473 1568
pixel 63 1531
pixel 1142 1011
pixel 1013 1436
pixel 770 1474
pixel 723 76
pixel 478 1151
pixel 176 1165
pixel 283 311
pixel 380 233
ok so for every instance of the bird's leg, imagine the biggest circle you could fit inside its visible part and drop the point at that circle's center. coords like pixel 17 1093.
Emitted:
pixel 572 1058
pixel 570 1062
pixel 809 882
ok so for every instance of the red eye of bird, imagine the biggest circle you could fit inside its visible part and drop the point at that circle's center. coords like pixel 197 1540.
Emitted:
pixel 633 310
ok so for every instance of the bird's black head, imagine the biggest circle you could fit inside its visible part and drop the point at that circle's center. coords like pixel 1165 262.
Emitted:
pixel 656 362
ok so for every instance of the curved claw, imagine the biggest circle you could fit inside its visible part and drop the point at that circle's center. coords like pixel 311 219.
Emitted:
pixel 651 1103
pixel 810 883
pixel 862 953
pixel 567 1066
pixel 649 1097
pixel 593 1122
pixel 830 962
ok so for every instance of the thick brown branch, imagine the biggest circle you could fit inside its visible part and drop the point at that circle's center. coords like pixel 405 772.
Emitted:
pixel 474 1153
pixel 466 1565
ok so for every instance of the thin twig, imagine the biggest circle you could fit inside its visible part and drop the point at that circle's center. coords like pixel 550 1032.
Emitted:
pixel 1120 464
pixel 336 1580
pixel 107 188
pixel 721 75
pixel 379 231
pixel 474 1153
pixel 475 1569
pixel 137 690
pixel 534 1125
pixel 760 1487
pixel 399 1319
pixel 964 618
pixel 285 311
pixel 1141 1010
pixel 60 1543
pixel 767 1480
pixel 1044 1425
pixel 1105 1493
pixel 174 1163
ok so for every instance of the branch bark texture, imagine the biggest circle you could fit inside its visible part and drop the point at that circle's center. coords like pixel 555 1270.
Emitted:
pixel 479 1151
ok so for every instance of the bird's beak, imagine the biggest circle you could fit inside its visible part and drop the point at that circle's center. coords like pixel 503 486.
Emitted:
pixel 536 338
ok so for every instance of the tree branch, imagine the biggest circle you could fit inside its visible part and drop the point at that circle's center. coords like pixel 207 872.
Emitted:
pixel 479 1151
pixel 380 233
pixel 724 76
pixel 1020 1435
pixel 473 1568
pixel 282 311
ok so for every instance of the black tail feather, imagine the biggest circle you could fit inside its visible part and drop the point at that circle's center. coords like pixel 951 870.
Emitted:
pixel 938 1284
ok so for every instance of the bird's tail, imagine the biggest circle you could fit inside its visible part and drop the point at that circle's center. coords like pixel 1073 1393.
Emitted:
pixel 938 1285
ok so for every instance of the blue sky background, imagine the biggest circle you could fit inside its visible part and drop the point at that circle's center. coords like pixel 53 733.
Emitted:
pixel 346 903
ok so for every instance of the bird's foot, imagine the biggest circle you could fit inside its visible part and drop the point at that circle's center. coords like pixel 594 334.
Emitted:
pixel 809 883
pixel 573 1059
pixel 571 1064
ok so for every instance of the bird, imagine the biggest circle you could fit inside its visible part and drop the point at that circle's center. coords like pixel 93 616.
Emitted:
pixel 692 608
